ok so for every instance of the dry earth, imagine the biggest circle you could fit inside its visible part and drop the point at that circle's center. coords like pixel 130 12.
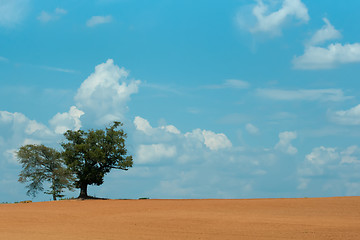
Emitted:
pixel 308 218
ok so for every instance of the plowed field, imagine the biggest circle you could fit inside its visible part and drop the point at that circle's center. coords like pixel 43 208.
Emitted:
pixel 308 218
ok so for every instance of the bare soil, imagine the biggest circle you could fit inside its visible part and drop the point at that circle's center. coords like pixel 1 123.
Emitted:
pixel 308 218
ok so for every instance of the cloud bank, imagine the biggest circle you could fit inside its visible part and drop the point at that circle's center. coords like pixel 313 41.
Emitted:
pixel 337 167
pixel 171 163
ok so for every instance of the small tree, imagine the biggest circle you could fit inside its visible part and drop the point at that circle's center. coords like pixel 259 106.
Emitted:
pixel 39 164
pixel 92 154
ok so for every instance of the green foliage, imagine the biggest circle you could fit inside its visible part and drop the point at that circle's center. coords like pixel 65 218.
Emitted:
pixel 41 163
pixel 91 154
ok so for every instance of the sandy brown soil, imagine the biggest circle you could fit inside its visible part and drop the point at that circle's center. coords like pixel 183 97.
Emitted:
pixel 319 218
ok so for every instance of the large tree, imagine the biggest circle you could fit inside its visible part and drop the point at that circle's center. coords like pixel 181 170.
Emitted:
pixel 91 154
pixel 41 163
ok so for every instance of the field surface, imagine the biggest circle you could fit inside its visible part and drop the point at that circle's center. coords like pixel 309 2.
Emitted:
pixel 308 218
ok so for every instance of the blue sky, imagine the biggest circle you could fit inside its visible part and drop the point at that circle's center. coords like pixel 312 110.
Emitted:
pixel 220 99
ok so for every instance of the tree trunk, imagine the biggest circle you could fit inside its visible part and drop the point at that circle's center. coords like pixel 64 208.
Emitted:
pixel 54 196
pixel 83 191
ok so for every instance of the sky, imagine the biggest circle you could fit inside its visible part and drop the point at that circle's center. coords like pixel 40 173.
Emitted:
pixel 220 99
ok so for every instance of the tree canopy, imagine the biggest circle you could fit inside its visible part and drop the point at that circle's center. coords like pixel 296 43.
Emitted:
pixel 41 163
pixel 91 154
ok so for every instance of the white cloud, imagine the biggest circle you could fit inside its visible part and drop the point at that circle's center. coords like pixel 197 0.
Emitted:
pixel 231 83
pixel 62 122
pixel 321 156
pixel 20 124
pixel 35 127
pixel 197 137
pixel 104 93
pixel 326 33
pixel 335 54
pixel 330 57
pixel 213 141
pixel 46 16
pixel 12 12
pixel 97 20
pixel 347 117
pixel 272 21
pixel 284 144
pixel 171 129
pixel 347 156
pixel 143 125
pixel 18 130
pixel 333 95
pixel 251 129
pixel 8 117
pixel 330 169
pixel 317 162
pixel 154 153
pixel 216 141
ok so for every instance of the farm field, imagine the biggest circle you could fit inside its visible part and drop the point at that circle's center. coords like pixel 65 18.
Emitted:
pixel 306 218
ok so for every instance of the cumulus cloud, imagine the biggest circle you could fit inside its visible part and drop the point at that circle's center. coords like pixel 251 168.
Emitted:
pixel 328 57
pixel 104 93
pixel 97 20
pixel 284 144
pixel 12 12
pixel 272 22
pixel 216 141
pixel 213 141
pixel 251 129
pixel 154 153
pixel 331 56
pixel 143 125
pixel 347 117
pixel 62 122
pixel 333 95
pixel 55 15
